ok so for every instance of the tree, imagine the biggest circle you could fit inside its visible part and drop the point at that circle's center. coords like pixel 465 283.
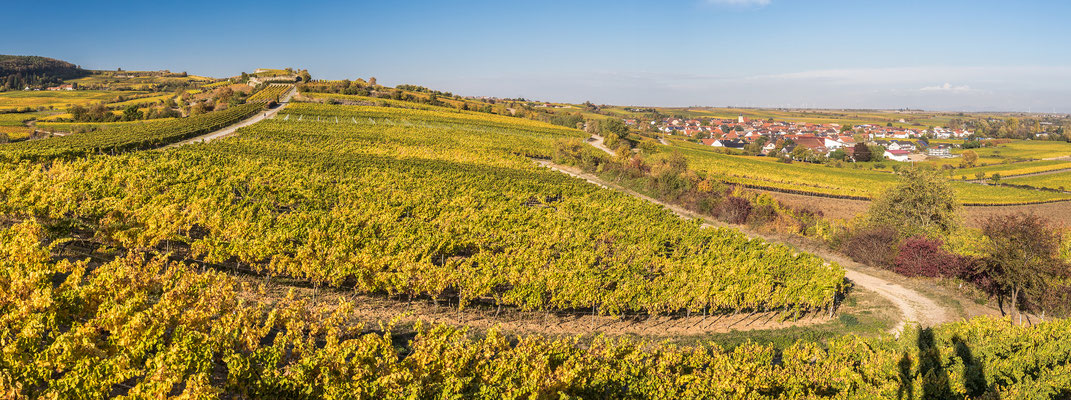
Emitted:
pixel 838 154
pixel 78 113
pixel 1023 256
pixel 877 153
pixel 198 108
pixel 132 113
pixel 923 256
pixel 615 126
pixel 861 152
pixel 969 158
pixel 872 245
pixel 922 203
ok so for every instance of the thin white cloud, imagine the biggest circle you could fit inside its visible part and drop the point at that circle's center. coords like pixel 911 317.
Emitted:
pixel 739 3
pixel 947 87
pixel 968 88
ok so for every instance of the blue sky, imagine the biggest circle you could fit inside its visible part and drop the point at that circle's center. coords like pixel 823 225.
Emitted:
pixel 947 55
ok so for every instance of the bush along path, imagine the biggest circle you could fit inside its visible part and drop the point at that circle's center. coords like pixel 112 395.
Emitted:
pixel 914 306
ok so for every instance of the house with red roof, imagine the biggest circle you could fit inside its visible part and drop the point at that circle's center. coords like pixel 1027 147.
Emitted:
pixel 898 155
pixel 814 144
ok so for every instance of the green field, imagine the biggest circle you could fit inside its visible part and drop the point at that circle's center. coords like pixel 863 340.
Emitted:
pixel 1001 157
pixel 1012 169
pixel 1059 181
pixel 1026 149
pixel 828 180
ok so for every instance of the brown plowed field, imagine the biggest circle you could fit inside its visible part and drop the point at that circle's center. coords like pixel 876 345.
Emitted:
pixel 973 216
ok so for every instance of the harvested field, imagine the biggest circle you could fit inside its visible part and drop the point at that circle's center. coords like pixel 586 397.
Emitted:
pixel 1059 213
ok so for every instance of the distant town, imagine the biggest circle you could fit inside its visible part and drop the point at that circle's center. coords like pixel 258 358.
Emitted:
pixel 822 139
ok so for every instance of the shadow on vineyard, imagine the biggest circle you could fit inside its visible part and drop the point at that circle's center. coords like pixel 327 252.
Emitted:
pixel 932 378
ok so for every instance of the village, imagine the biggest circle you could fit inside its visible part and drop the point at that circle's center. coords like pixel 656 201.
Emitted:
pixel 826 140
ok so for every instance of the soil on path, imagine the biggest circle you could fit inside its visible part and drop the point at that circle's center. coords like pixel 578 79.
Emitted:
pixel 597 142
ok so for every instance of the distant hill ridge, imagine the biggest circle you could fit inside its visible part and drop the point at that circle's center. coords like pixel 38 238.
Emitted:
pixel 18 72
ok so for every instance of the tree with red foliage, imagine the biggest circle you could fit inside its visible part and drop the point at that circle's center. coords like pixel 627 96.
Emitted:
pixel 734 210
pixel 923 256
pixel 861 152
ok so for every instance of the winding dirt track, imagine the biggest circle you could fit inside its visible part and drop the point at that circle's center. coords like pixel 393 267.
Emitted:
pixel 596 141
pixel 914 306
pixel 229 130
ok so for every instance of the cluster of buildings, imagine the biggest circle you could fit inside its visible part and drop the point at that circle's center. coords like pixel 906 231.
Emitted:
pixel 68 86
pixel 820 139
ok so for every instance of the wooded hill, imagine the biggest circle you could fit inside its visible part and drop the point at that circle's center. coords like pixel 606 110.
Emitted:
pixel 18 72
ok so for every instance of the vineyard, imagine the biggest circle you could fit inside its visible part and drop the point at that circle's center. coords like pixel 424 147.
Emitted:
pixel 145 327
pixel 91 126
pixel 59 99
pixel 144 101
pixel 366 100
pixel 13 125
pixel 438 205
pixel 1012 169
pixel 214 85
pixel 125 137
pixel 413 203
pixel 270 93
pixel 1058 181
pixel 805 178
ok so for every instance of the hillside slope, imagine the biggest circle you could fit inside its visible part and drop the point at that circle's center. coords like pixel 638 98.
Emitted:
pixel 17 72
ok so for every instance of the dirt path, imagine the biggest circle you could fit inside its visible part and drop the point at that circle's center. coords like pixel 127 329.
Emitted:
pixel 512 320
pixel 227 131
pixel 914 306
pixel 596 140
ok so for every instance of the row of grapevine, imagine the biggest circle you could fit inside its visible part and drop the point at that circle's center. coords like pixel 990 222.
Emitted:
pixel 419 203
pixel 143 327
pixel 90 126
pixel 270 93
pixel 126 137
